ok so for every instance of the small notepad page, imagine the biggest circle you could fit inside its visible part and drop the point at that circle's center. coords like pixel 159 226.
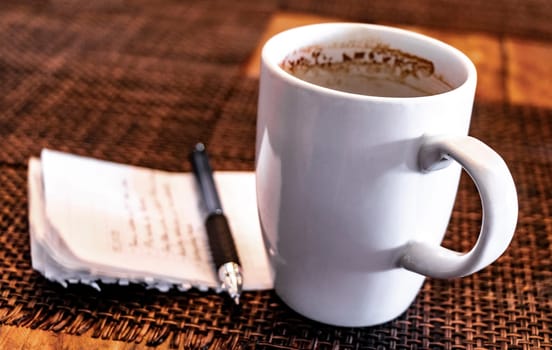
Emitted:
pixel 96 221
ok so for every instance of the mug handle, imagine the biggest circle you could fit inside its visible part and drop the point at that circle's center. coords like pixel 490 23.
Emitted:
pixel 498 200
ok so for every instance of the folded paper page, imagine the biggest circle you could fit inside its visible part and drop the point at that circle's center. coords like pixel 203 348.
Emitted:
pixel 93 220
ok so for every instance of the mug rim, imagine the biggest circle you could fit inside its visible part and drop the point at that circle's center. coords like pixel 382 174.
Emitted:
pixel 273 63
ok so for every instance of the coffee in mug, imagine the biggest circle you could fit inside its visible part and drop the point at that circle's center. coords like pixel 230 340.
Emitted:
pixel 361 69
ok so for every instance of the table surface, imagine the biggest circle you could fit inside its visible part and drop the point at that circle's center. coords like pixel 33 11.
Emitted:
pixel 514 76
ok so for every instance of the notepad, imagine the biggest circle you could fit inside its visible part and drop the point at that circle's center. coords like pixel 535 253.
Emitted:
pixel 96 221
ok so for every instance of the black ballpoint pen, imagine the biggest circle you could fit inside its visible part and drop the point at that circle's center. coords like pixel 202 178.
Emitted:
pixel 221 243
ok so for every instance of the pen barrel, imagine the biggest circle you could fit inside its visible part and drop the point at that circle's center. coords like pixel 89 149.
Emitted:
pixel 221 243
pixel 204 176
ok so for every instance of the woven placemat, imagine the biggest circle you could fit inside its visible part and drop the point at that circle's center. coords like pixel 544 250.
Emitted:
pixel 525 18
pixel 507 305
pixel 140 83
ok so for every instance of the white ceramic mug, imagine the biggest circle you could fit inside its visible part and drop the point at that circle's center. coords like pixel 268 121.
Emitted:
pixel 355 192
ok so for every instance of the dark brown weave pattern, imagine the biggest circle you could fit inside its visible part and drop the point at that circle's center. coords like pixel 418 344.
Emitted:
pixel 140 83
pixel 526 18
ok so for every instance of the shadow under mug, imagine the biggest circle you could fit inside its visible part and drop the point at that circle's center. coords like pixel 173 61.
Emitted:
pixel 355 191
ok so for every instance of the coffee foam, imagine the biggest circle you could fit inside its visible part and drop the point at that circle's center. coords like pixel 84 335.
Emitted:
pixel 374 69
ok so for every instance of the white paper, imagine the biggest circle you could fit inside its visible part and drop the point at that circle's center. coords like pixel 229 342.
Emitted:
pixel 95 220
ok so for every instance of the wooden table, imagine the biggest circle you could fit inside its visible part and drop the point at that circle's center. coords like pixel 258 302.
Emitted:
pixel 511 69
